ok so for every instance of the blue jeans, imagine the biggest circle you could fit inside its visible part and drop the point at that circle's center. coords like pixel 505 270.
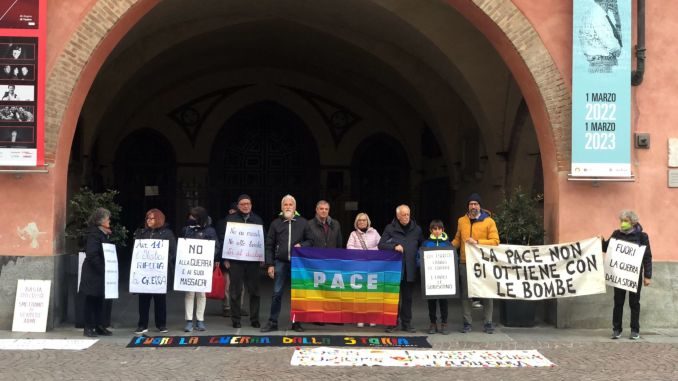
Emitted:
pixel 281 282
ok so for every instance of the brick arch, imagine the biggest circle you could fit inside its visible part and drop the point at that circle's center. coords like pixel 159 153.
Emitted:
pixel 504 25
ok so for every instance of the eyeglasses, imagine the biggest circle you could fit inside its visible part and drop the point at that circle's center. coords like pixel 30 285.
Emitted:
pixel 362 219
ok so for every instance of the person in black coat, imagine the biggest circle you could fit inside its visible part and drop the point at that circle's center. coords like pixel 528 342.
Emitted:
pixel 156 228
pixel 630 230
pixel 93 269
pixel 198 226
pixel 285 233
pixel 404 236
pixel 323 231
pixel 244 272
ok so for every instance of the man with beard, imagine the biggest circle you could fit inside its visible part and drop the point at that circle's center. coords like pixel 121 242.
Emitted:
pixel 244 272
pixel 286 232
pixel 404 236
pixel 473 228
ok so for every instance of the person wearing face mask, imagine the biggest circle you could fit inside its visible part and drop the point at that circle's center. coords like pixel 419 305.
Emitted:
pixel 473 228
pixel 630 230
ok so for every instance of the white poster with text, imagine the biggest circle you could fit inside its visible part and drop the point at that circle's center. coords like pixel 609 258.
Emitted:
pixel 243 242
pixel 622 264
pixel 535 272
pixel 148 270
pixel 31 305
pixel 195 258
pixel 110 271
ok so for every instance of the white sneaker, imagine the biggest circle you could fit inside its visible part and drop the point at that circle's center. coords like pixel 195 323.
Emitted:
pixel 360 325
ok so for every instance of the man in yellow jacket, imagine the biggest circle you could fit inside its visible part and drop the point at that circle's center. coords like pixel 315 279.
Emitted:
pixel 473 228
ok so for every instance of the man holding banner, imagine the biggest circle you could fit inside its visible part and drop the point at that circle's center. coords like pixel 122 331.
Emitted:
pixel 404 236
pixel 244 271
pixel 473 228
pixel 629 231
pixel 285 233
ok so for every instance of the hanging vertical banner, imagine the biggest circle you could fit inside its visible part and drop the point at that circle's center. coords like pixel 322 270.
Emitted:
pixel 22 82
pixel 601 88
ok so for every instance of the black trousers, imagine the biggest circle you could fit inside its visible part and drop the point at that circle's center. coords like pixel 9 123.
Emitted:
pixel 405 302
pixel 432 310
pixel 244 273
pixel 634 304
pixel 93 311
pixel 159 308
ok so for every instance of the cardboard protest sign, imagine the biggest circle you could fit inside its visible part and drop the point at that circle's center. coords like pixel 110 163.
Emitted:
pixel 439 273
pixel 111 273
pixel 243 242
pixel 535 272
pixel 195 258
pixel 31 305
pixel 148 270
pixel 622 264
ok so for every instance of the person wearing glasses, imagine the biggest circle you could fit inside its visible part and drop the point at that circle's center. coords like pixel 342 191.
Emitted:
pixel 156 228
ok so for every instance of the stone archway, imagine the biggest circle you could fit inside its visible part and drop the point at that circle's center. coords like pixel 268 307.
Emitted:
pixel 504 25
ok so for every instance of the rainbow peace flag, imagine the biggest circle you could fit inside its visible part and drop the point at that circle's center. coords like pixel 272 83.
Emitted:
pixel 345 286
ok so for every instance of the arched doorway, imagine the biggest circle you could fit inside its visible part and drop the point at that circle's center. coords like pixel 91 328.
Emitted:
pixel 266 151
pixel 379 178
pixel 145 176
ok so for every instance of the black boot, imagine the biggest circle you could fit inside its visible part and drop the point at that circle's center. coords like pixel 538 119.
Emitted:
pixel 100 330
pixel 89 332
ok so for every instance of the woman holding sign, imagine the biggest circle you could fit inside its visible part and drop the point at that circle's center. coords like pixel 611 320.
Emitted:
pixel 156 228
pixel 631 231
pixel 198 227
pixel 93 269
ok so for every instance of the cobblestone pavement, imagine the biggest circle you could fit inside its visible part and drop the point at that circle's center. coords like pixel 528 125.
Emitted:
pixel 578 354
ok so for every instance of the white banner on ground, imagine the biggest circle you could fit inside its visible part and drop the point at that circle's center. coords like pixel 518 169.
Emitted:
pixel 195 258
pixel 622 264
pixel 535 272
pixel 81 260
pixel 31 305
pixel 110 271
pixel 148 270
pixel 329 356
pixel 243 242
pixel 40 344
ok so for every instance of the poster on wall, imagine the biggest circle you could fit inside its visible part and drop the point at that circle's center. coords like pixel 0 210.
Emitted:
pixel 601 89
pixel 22 90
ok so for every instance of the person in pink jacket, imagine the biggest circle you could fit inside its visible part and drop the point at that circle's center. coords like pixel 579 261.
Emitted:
pixel 364 237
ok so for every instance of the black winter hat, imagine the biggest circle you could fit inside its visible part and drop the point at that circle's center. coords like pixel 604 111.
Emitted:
pixel 244 197
pixel 474 197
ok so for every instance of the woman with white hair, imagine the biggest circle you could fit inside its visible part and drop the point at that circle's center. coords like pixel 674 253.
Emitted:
pixel 630 231
pixel 364 237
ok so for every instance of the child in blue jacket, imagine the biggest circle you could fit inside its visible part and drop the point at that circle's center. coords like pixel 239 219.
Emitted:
pixel 437 238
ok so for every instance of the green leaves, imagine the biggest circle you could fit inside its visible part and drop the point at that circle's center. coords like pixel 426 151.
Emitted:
pixel 519 219
pixel 81 206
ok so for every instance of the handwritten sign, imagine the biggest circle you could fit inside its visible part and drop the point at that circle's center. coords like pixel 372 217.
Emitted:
pixel 148 270
pixel 195 258
pixel 439 273
pixel 243 242
pixel 30 306
pixel 622 264
pixel 110 271
pixel 535 272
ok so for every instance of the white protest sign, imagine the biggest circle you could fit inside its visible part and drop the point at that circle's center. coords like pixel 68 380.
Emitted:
pixel 535 272
pixel 439 272
pixel 622 264
pixel 81 260
pixel 243 242
pixel 195 258
pixel 110 271
pixel 148 270
pixel 30 306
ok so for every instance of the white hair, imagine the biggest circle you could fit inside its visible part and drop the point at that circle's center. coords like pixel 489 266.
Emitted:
pixel 288 197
